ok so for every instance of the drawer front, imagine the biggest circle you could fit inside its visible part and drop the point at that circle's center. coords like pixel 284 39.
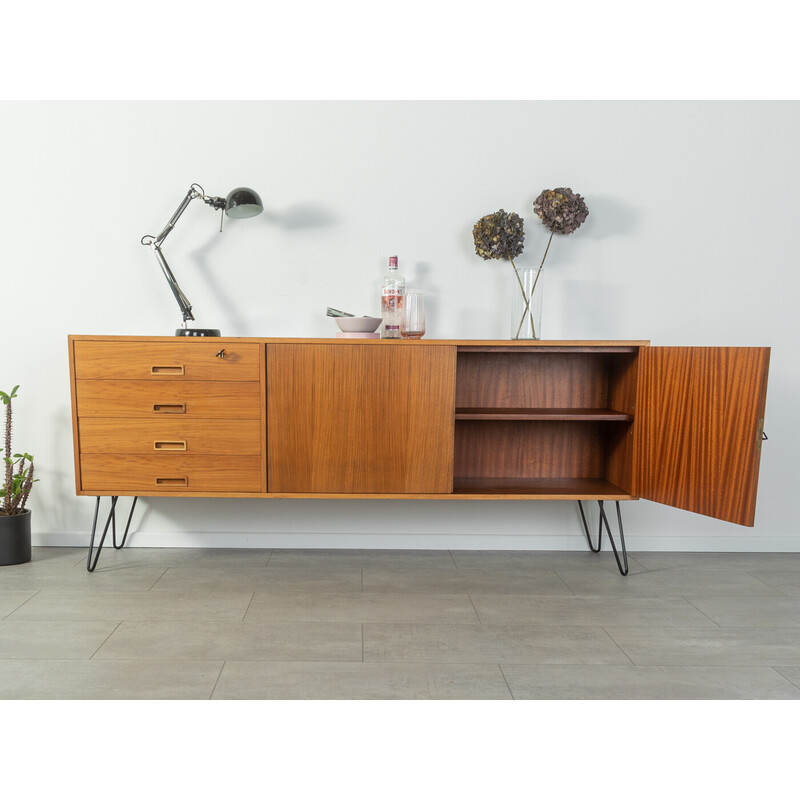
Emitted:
pixel 168 399
pixel 170 472
pixel 192 360
pixel 175 435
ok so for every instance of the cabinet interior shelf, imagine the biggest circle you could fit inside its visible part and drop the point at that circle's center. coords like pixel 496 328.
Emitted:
pixel 549 414
pixel 546 488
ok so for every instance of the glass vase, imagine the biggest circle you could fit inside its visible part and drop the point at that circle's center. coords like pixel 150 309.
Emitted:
pixel 526 304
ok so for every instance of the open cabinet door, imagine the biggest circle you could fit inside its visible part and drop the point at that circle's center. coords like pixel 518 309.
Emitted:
pixel 699 420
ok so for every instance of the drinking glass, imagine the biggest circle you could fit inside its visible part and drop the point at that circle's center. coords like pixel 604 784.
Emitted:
pixel 412 321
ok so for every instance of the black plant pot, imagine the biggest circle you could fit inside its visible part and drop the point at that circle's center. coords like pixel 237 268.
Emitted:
pixel 15 539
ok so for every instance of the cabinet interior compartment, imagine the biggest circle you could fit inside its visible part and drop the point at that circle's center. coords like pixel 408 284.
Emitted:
pixel 550 423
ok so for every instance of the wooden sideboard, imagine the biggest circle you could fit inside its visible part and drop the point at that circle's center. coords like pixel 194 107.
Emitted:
pixel 435 419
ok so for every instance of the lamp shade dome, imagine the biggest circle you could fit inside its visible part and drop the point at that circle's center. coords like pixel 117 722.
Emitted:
pixel 242 203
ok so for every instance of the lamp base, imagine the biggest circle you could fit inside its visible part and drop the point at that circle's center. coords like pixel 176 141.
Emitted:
pixel 197 332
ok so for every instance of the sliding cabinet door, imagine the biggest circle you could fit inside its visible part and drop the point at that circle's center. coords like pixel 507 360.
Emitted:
pixel 360 418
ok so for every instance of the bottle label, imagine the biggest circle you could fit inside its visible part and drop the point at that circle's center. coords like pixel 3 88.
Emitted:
pixel 392 300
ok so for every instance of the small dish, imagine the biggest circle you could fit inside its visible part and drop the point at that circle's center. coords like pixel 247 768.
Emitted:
pixel 358 324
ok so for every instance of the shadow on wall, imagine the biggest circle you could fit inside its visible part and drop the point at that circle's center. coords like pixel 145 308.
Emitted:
pixel 53 497
pixel 588 310
pixel 301 216
pixel 420 279
pixel 618 218
pixel 351 518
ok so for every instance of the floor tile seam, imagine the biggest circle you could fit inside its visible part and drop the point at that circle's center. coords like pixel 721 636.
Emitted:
pixel 93 661
pixel 727 596
pixel 494 626
pixel 493 659
pixel 102 644
pixel 217 679
pixel 785 677
pixel 508 685
pixel 572 592
pixel 474 608
pixel 85 659
pixel 566 585
pixel 351 593
pixel 163 573
pixel 616 643
pixel 766 583
pixel 477 624
pixel 351 663
pixel 137 619
pixel 221 658
pixel 723 628
pixel 234 623
pixel 634 560
pixel 24 602
pixel 249 603
pixel 362 621
pixel 418 591
pixel 708 616
pixel 766 668
pixel 596 624
pixel 594 596
pixel 723 664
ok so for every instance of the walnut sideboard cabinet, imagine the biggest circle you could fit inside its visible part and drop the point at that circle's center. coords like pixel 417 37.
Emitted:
pixel 435 419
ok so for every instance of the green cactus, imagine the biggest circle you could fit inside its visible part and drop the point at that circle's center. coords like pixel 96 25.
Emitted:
pixel 19 478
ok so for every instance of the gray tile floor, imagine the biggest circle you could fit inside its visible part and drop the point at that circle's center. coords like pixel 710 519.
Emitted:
pixel 356 624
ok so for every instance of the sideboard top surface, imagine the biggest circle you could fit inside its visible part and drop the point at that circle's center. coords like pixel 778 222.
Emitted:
pixel 380 342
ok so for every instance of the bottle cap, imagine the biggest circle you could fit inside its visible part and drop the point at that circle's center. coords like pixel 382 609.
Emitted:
pixel 392 261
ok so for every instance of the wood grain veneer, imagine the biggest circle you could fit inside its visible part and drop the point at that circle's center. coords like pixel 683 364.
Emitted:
pixel 699 412
pixel 170 472
pixel 152 399
pixel 431 419
pixel 146 436
pixel 532 380
pixel 543 488
pixel 552 414
pixel 506 449
pixel 177 359
pixel 360 420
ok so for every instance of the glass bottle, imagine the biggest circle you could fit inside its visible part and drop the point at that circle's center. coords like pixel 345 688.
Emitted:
pixel 392 293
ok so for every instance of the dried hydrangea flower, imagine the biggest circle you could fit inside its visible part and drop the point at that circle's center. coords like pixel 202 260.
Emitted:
pixel 561 210
pixel 499 235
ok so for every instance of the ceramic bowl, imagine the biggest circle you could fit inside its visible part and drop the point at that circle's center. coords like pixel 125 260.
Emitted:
pixel 358 324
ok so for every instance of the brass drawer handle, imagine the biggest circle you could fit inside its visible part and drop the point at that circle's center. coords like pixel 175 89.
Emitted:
pixel 169 445
pixel 169 408
pixel 173 369
pixel 172 481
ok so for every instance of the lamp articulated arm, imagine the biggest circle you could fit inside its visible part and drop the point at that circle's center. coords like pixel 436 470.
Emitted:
pixel 195 190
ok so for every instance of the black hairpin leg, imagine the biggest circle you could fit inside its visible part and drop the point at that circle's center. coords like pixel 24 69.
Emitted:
pixel 111 520
pixel 604 521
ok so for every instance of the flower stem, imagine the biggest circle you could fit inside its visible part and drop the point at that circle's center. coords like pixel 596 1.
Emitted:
pixel 546 250
pixel 527 309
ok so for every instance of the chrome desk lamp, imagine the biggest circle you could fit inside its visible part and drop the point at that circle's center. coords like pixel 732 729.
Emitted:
pixel 239 204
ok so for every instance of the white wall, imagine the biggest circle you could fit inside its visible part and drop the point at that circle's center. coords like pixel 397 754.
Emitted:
pixel 692 239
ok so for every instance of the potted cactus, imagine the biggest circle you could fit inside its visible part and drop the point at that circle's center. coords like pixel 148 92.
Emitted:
pixel 15 519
